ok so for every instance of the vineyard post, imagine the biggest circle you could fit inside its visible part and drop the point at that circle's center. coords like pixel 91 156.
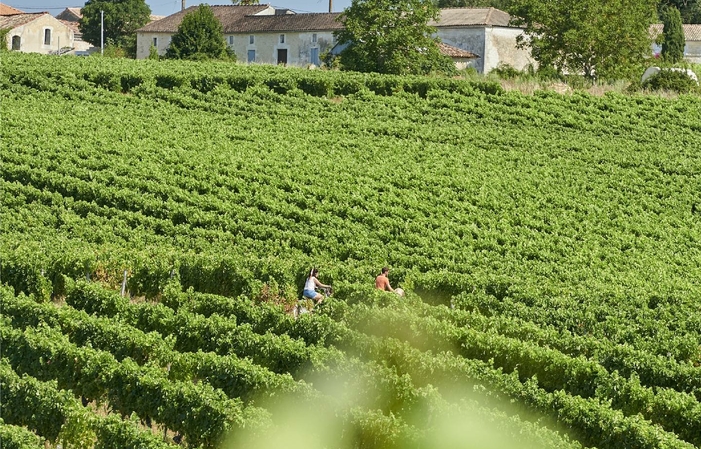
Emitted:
pixel 102 33
pixel 124 283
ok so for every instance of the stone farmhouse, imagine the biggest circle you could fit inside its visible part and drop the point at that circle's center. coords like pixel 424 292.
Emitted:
pixel 479 38
pixel 35 32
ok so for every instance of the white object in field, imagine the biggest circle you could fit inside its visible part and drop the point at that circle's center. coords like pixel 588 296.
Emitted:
pixel 399 291
pixel 652 71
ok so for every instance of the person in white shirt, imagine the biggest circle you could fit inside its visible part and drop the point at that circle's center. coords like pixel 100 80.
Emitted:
pixel 311 285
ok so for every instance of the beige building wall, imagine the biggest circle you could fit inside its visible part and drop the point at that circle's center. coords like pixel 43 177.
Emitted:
pixel 493 45
pixel 32 35
pixel 299 46
pixel 145 40
pixel 501 49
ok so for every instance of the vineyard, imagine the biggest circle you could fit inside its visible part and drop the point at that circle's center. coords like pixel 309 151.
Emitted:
pixel 158 220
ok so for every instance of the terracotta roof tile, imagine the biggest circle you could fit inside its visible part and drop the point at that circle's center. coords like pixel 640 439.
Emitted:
pixel 228 15
pixel 691 32
pixel 455 52
pixel 7 10
pixel 290 22
pixel 452 17
pixel 15 20
pixel 71 24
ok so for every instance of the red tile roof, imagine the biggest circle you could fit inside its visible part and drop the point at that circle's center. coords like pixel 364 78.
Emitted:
pixel 691 32
pixel 15 20
pixel 455 52
pixel 229 16
pixel 7 10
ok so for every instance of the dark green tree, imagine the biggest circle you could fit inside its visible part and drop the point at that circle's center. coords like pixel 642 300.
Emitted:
pixel 672 35
pixel 122 19
pixel 391 36
pixel 199 36
pixel 605 39
pixel 690 10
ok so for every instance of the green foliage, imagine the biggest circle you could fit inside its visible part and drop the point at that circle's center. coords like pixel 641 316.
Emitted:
pixel 153 53
pixel 690 10
pixel 560 291
pixel 16 437
pixel 4 45
pixel 673 41
pixel 600 39
pixel 121 20
pixel 199 37
pixel 398 39
pixel 671 80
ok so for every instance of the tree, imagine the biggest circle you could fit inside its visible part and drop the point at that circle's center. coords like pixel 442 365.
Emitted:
pixel 199 36
pixel 673 35
pixel 391 36
pixel 689 9
pixel 122 19
pixel 604 39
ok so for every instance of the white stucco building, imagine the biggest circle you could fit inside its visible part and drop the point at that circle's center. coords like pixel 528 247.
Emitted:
pixel 36 33
pixel 256 33
pixel 485 32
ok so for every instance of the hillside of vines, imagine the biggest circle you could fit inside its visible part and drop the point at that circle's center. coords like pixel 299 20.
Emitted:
pixel 158 219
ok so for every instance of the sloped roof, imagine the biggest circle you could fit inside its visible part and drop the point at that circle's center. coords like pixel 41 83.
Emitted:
pixel 691 32
pixel 70 14
pixel 229 16
pixel 290 22
pixel 15 20
pixel 7 9
pixel 455 52
pixel 456 17
pixel 73 25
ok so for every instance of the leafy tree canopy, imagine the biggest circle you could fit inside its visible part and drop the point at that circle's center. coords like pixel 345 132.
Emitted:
pixel 199 36
pixel 391 36
pixel 604 39
pixel 690 10
pixel 121 20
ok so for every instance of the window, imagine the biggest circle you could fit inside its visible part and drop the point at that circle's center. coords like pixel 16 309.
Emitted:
pixel 16 42
pixel 231 41
pixel 251 56
pixel 314 38
pixel 251 39
pixel 282 38
pixel 155 42
pixel 47 36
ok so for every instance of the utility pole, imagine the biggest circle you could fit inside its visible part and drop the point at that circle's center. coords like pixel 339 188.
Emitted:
pixel 330 5
pixel 182 6
pixel 102 32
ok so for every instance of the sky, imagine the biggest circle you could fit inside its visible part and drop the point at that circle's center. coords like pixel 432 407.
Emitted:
pixel 167 7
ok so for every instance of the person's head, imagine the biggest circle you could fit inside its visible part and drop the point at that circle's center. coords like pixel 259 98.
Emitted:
pixel 385 270
pixel 314 272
